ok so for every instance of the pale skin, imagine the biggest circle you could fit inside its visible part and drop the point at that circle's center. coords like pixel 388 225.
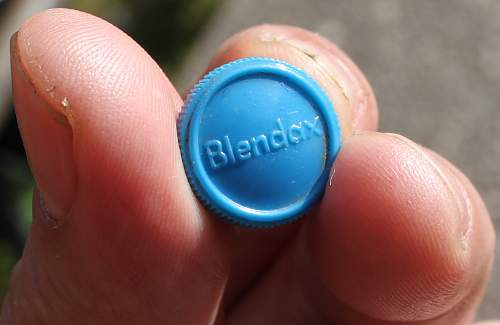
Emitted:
pixel 400 237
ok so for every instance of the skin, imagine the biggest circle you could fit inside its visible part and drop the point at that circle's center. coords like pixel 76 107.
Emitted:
pixel 400 237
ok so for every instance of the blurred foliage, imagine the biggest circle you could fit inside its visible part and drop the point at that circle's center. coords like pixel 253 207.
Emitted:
pixel 8 257
pixel 166 29
pixel 3 3
pixel 15 201
pixel 15 174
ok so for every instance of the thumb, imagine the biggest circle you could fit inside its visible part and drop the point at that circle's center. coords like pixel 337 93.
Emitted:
pixel 116 226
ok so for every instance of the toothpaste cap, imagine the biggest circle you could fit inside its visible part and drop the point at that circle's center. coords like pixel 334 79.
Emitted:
pixel 258 138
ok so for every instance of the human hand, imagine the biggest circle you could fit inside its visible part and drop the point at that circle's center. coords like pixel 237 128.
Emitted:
pixel 400 237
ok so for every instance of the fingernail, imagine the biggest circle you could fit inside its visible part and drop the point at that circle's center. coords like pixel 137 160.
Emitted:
pixel 457 192
pixel 462 198
pixel 46 133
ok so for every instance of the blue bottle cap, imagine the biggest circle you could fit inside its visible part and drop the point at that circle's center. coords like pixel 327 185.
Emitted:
pixel 258 137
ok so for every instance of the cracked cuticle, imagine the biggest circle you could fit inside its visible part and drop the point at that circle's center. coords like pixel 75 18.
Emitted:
pixel 47 217
pixel 319 61
pixel 41 92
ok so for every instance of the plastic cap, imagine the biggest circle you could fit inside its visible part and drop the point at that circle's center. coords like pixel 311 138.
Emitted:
pixel 258 137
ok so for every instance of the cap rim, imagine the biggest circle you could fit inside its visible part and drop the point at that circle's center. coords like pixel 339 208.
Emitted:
pixel 214 199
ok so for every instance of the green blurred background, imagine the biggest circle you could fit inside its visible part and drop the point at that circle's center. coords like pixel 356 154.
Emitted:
pixel 166 29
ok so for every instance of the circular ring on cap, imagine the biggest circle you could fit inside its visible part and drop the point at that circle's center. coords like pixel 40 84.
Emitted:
pixel 228 134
